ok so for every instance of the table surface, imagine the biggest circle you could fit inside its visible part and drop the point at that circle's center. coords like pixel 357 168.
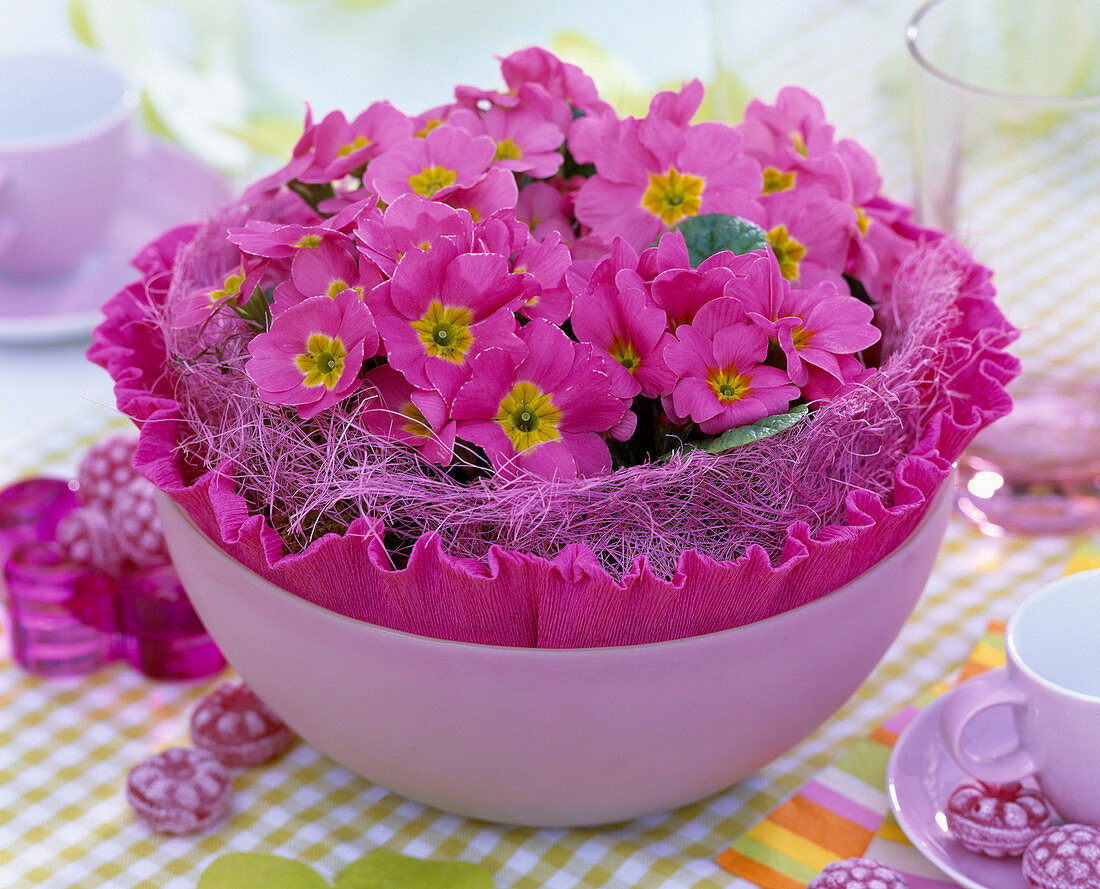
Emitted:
pixel 65 746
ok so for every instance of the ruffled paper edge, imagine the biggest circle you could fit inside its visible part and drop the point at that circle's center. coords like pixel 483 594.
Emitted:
pixel 570 601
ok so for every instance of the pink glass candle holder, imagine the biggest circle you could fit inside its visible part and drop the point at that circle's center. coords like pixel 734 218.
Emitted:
pixel 61 614
pixel 31 510
pixel 161 633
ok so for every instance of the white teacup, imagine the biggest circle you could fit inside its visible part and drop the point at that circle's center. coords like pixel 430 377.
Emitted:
pixel 65 135
pixel 1052 683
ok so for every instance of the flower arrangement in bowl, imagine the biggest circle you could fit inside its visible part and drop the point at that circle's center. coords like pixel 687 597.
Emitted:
pixel 519 373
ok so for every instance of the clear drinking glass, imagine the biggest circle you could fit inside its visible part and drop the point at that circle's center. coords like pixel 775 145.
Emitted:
pixel 1007 139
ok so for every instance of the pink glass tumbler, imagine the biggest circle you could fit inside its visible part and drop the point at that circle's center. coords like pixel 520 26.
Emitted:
pixel 160 633
pixel 61 614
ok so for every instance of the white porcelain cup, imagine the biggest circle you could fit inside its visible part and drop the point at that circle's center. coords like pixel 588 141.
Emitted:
pixel 66 122
pixel 1052 683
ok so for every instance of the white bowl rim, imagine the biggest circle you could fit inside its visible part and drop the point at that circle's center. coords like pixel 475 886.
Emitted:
pixel 934 507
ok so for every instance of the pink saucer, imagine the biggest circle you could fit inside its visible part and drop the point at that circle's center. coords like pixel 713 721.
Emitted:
pixel 167 188
pixel 921 776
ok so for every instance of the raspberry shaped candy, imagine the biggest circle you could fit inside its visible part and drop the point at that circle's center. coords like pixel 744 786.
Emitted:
pixel 1066 856
pixel 180 790
pixel 237 727
pixel 857 873
pixel 997 820
pixel 105 469
pixel 137 524
pixel 86 537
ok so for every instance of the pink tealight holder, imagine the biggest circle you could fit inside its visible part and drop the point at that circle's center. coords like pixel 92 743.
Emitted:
pixel 67 619
pixel 31 510
pixel 160 633
pixel 49 601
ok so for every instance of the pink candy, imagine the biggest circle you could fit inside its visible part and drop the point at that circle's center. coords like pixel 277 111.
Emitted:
pixel 179 791
pixel 997 821
pixel 86 537
pixel 137 525
pixel 1066 856
pixel 104 469
pixel 857 873
pixel 237 727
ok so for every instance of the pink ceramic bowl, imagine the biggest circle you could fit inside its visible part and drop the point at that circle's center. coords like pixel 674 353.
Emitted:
pixel 544 737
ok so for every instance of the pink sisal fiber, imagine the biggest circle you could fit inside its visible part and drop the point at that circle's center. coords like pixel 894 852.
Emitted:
pixel 647 553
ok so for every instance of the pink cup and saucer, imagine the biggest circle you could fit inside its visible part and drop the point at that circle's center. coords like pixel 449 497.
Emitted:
pixel 80 192
pixel 1037 721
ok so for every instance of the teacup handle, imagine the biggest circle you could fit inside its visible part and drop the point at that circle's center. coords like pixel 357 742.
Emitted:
pixel 967 701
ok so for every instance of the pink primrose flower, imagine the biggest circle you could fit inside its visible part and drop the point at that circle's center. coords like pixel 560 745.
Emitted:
pixel 723 382
pixel 559 79
pixel 441 308
pixel 496 190
pixel 880 245
pixel 681 291
pixel 627 327
pixel 807 231
pixel 656 174
pixel 426 121
pixel 337 147
pixel 445 160
pixel 545 209
pixel 543 266
pixel 411 222
pixel 525 142
pixel 234 284
pixel 678 108
pixel 501 233
pixel 545 414
pixel 276 240
pixel 326 270
pixel 400 411
pixel 817 328
pixel 310 357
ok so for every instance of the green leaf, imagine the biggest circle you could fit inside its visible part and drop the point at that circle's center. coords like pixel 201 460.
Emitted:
pixel 769 426
pixel 740 435
pixel 383 869
pixel 712 233
pixel 246 870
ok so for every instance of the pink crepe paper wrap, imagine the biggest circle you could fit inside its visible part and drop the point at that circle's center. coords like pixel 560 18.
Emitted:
pixel 570 600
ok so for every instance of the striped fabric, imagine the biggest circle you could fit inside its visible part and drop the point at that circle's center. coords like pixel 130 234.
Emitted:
pixel 843 811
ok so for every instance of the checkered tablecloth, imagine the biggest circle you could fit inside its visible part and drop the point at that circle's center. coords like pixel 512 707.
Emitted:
pixel 66 746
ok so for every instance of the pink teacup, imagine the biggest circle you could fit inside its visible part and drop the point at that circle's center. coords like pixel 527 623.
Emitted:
pixel 65 133
pixel 1052 683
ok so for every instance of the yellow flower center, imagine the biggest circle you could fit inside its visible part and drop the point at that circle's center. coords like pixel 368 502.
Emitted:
pixel 429 180
pixel 624 352
pixel 671 196
pixel 445 331
pixel 231 286
pixel 787 250
pixel 416 422
pixel 308 242
pixel 528 417
pixel 339 286
pixel 428 127
pixel 799 142
pixel 359 142
pixel 776 180
pixel 863 221
pixel 801 337
pixel 323 361
pixel 507 151
pixel 727 384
